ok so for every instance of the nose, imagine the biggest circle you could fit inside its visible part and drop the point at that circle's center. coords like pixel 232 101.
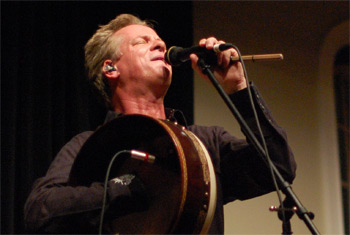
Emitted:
pixel 159 44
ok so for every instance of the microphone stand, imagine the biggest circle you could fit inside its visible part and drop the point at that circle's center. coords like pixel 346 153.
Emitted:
pixel 285 186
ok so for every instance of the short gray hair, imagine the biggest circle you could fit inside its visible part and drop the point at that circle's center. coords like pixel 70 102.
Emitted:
pixel 102 46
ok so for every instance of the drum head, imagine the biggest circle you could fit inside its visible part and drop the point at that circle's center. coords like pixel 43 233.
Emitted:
pixel 180 183
pixel 162 179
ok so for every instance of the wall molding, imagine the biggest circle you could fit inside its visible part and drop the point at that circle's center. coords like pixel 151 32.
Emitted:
pixel 328 142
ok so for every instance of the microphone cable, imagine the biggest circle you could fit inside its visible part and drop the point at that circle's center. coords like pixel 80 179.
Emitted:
pixel 270 163
pixel 105 188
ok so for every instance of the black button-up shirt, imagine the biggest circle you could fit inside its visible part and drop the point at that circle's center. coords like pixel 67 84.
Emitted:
pixel 241 173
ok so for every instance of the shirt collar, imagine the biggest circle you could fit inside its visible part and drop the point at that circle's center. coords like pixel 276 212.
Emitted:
pixel 169 113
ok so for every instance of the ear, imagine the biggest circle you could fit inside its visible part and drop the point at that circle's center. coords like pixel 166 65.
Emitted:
pixel 110 70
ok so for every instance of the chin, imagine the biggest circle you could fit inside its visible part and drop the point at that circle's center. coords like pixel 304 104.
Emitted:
pixel 167 73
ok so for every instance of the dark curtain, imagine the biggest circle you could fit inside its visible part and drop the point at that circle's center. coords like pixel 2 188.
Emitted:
pixel 45 98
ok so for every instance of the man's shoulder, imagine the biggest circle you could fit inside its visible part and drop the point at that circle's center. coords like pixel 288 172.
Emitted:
pixel 80 139
pixel 84 134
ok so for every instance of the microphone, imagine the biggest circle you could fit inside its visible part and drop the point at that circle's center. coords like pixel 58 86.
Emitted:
pixel 146 157
pixel 175 56
pixel 178 55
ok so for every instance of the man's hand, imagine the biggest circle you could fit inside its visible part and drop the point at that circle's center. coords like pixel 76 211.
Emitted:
pixel 231 77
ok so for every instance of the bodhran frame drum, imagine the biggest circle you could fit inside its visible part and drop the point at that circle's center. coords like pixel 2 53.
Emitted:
pixel 181 183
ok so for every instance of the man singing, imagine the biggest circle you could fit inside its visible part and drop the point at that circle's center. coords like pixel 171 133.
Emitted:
pixel 125 62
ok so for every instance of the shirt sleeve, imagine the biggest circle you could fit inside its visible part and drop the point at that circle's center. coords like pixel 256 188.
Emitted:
pixel 55 207
pixel 243 172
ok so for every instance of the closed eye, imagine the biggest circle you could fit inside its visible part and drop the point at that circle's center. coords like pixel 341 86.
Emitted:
pixel 140 41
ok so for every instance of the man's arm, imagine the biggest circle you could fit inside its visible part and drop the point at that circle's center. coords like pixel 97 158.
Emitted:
pixel 242 172
pixel 55 207
pixel 253 176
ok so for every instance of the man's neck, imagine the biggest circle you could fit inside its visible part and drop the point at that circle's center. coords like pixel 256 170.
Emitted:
pixel 153 109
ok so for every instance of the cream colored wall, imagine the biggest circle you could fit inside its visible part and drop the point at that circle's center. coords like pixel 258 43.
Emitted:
pixel 290 87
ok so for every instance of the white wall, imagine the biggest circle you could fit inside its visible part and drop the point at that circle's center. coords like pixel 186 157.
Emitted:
pixel 290 87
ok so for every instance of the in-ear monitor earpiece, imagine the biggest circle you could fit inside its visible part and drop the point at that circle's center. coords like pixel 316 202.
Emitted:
pixel 109 68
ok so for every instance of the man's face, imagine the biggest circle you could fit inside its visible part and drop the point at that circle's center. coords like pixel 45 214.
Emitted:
pixel 142 66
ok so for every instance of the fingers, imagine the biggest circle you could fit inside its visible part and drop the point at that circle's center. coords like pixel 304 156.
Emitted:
pixel 224 57
pixel 194 58
pixel 209 42
pixel 230 76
